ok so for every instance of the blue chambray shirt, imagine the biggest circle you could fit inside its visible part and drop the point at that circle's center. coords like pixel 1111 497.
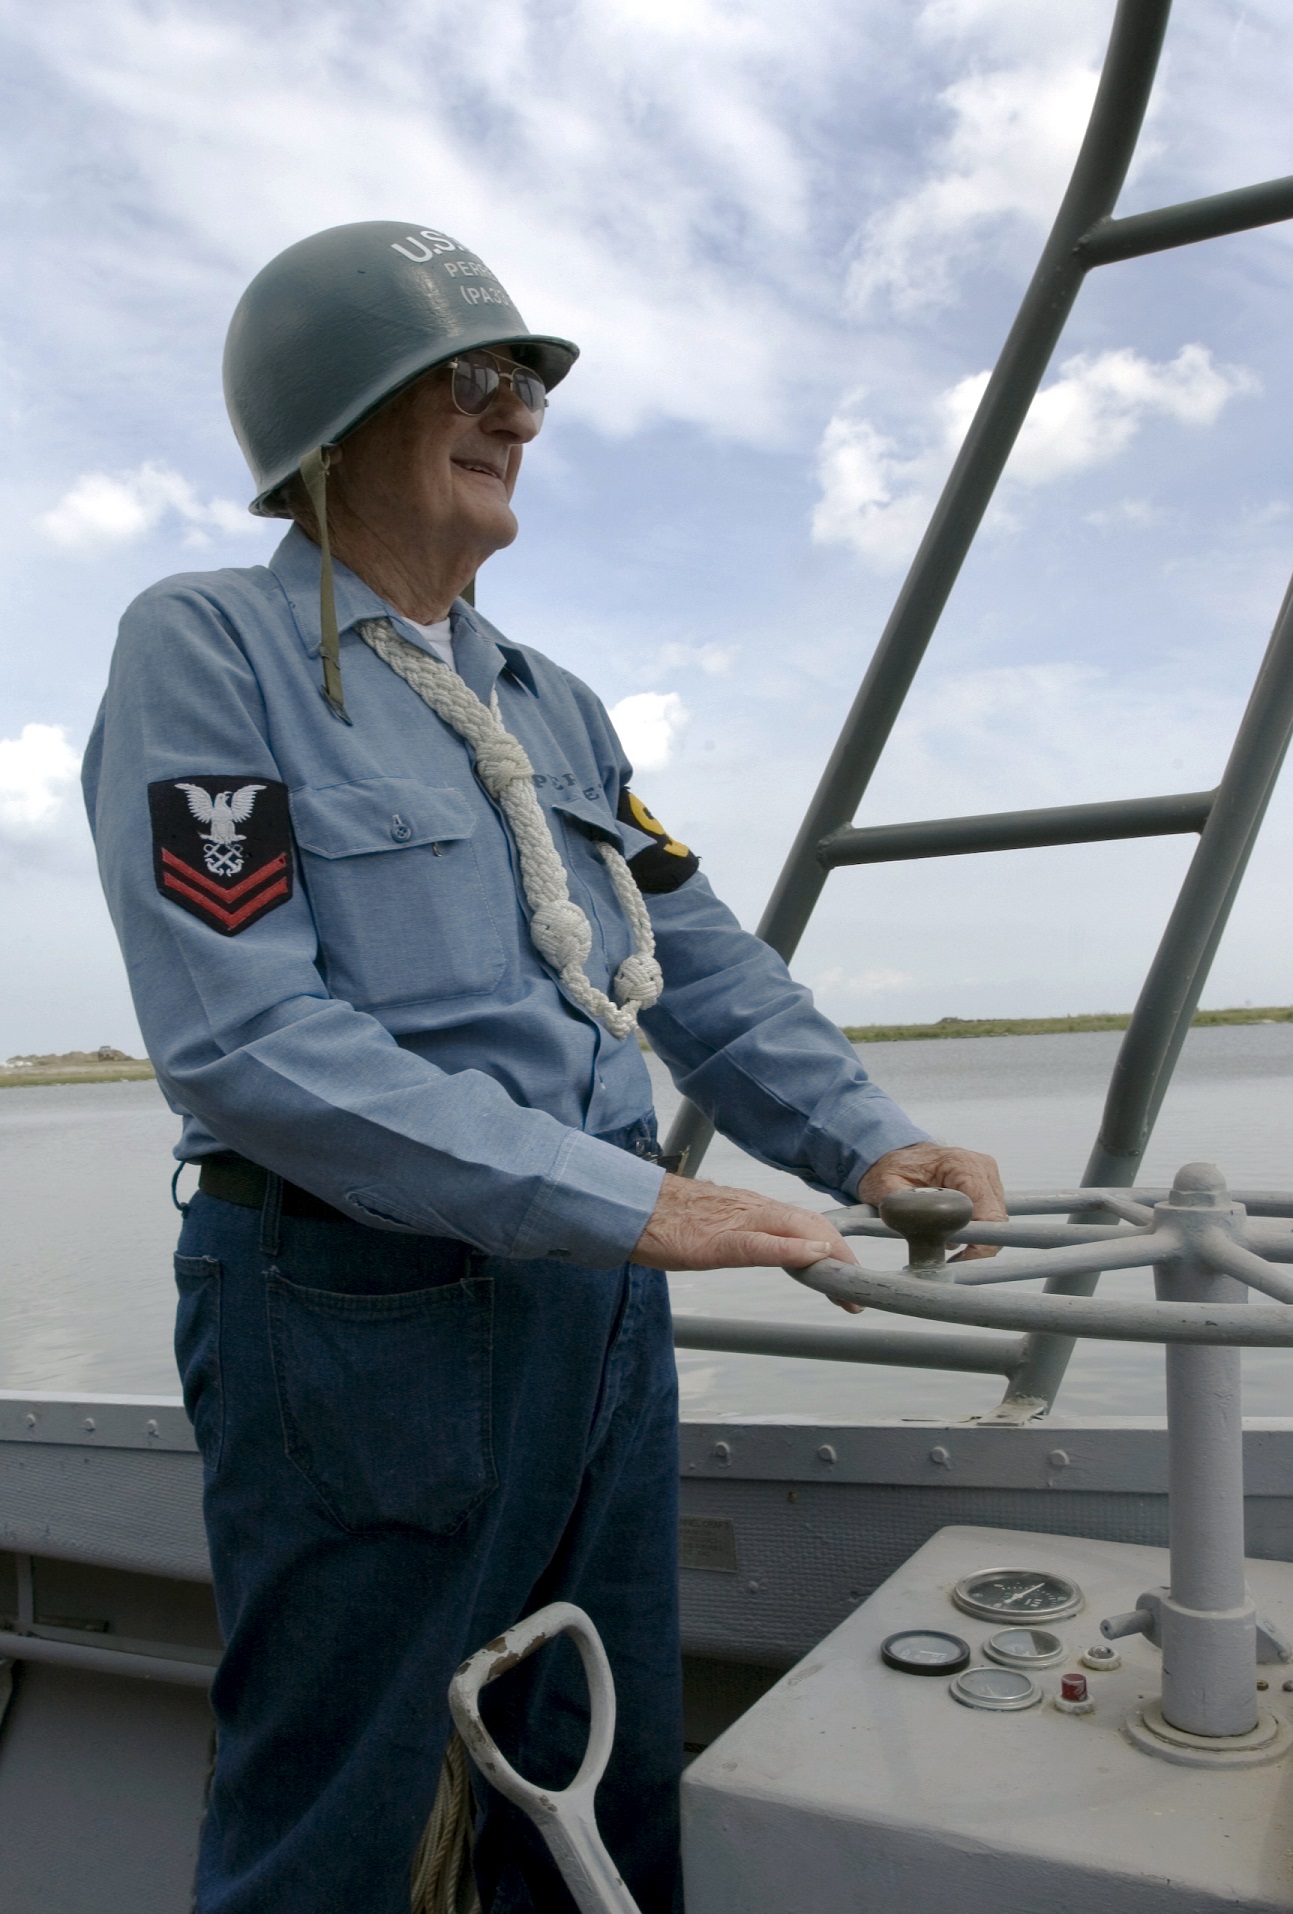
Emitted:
pixel 389 1038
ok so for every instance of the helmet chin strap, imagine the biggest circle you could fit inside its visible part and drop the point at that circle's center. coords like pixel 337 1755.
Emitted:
pixel 314 476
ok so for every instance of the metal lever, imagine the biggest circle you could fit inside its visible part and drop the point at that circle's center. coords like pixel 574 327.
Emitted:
pixel 563 1816
pixel 926 1218
pixel 1136 1621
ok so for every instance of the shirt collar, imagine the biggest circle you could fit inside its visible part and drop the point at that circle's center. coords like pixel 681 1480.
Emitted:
pixel 479 651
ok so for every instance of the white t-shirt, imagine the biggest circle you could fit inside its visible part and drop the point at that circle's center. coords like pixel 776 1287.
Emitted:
pixel 436 636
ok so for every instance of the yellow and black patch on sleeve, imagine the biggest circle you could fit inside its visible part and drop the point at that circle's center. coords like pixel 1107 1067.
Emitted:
pixel 666 863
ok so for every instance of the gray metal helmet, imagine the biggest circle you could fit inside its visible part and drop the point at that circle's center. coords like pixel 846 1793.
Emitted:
pixel 335 325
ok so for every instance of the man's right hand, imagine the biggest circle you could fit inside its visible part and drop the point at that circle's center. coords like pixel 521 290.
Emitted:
pixel 707 1226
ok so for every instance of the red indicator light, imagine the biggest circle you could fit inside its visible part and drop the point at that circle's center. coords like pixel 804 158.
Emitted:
pixel 1073 1687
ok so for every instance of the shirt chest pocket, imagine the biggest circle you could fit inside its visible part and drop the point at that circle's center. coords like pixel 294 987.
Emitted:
pixel 580 826
pixel 395 884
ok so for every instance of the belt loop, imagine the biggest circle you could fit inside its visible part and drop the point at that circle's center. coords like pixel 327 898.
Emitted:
pixel 271 1214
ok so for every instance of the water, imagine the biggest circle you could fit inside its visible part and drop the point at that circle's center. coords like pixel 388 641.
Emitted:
pixel 85 1286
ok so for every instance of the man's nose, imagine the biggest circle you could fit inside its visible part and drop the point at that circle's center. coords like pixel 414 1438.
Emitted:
pixel 507 417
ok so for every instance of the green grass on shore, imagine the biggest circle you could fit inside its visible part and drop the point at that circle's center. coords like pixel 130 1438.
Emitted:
pixel 33 1074
pixel 1042 1026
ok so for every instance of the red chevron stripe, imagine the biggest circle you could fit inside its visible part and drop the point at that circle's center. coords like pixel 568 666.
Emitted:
pixel 231 919
pixel 226 894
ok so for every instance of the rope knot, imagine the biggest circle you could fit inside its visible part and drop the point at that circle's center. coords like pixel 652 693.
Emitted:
pixel 559 930
pixel 500 761
pixel 639 980
pixel 562 933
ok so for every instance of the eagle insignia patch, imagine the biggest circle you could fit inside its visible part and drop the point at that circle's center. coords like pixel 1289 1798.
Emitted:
pixel 222 847
pixel 663 865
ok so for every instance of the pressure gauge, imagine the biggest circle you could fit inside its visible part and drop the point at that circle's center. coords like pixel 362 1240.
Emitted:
pixel 925 1651
pixel 1002 1690
pixel 1004 1594
pixel 1024 1648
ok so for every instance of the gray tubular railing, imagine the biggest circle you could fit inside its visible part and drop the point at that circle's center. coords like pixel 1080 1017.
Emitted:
pixel 1170 995
pixel 1186 224
pixel 987 1355
pixel 1018 830
pixel 1084 235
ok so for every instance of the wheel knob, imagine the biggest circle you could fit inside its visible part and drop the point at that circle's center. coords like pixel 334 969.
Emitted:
pixel 926 1218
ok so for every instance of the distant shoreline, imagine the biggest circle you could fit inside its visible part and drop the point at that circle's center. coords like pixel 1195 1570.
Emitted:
pixel 46 1070
pixel 70 1068
pixel 1044 1026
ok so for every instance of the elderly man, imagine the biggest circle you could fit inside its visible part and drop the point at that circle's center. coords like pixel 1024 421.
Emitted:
pixel 391 914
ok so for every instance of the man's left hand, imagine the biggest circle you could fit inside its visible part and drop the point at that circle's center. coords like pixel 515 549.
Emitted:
pixel 924 1166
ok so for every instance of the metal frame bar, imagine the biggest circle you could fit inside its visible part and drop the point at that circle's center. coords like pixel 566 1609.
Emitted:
pixel 1084 235
pixel 983 1355
pixel 1184 225
pixel 1170 994
pixel 105 1661
pixel 1018 830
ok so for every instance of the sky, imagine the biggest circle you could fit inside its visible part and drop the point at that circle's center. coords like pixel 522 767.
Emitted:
pixel 790 242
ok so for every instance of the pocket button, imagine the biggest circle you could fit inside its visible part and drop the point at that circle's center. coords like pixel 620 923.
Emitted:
pixel 400 831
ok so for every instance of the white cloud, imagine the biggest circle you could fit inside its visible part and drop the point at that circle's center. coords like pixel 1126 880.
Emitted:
pixel 649 724
pixel 658 158
pixel 714 660
pixel 38 771
pixel 1009 152
pixel 879 501
pixel 1064 732
pixel 1140 514
pixel 870 498
pixel 1100 401
pixel 115 508
pixel 868 983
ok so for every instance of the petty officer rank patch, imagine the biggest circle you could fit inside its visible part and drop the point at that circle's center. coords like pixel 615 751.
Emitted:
pixel 222 846
pixel 664 865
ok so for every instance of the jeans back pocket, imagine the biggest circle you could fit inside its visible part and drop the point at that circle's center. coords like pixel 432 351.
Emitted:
pixel 385 1400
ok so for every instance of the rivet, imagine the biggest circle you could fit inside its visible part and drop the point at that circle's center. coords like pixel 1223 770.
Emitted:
pixel 88 1425
pixel 827 1454
pixel 1058 1459
pixel 722 1452
pixel 941 1457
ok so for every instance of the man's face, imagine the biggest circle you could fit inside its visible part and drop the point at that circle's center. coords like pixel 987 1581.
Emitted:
pixel 422 469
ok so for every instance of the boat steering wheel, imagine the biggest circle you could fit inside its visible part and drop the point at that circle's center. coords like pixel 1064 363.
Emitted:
pixel 1207 1252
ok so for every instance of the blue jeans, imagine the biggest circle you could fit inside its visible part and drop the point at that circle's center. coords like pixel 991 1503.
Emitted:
pixel 407 1446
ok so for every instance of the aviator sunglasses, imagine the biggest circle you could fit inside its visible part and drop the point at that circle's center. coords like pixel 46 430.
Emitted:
pixel 477 376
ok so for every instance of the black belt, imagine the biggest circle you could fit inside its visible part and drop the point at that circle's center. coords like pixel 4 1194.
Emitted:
pixel 236 1179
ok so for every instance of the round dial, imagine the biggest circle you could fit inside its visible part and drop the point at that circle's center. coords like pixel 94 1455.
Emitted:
pixel 1001 1689
pixel 1024 1594
pixel 925 1651
pixel 1024 1648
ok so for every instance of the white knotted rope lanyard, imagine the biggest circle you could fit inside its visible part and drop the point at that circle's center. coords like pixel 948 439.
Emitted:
pixel 559 929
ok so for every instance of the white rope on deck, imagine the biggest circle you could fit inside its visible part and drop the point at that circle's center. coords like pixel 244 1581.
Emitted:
pixel 443 1882
pixel 559 930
